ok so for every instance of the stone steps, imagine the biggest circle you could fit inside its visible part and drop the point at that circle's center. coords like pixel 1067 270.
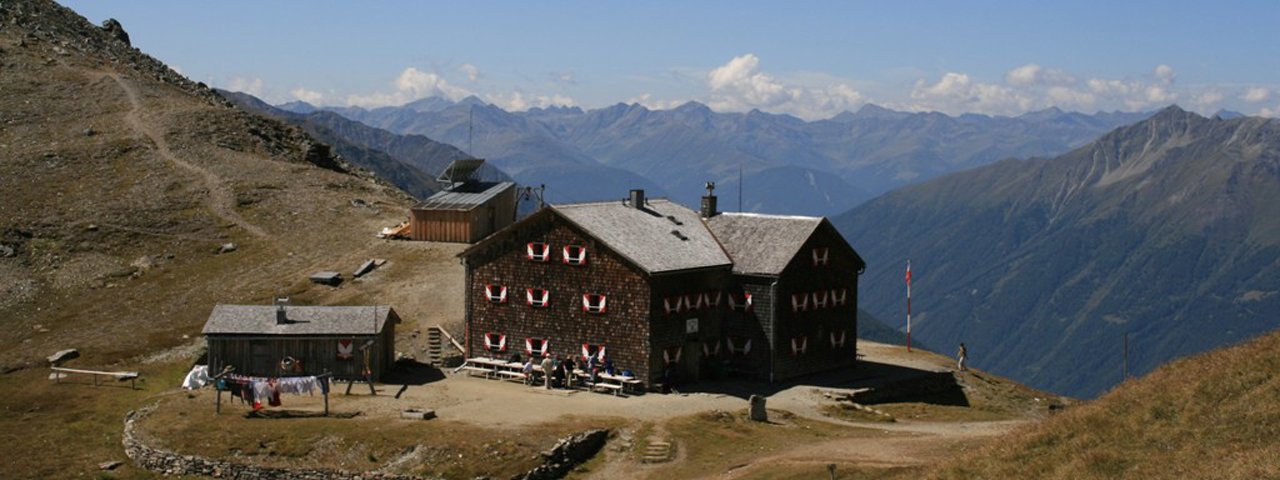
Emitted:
pixel 656 452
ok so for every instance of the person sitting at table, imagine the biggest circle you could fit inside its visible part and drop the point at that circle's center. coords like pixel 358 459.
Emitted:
pixel 527 370
pixel 569 367
pixel 608 366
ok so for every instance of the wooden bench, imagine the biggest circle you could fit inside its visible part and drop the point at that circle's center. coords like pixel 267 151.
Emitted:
pixel 617 389
pixel 510 375
pixel 132 377
pixel 480 370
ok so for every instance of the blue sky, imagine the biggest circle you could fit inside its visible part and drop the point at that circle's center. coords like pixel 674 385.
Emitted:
pixel 811 59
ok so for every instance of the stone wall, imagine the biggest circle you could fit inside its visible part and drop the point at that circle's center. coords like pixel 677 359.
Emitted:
pixel 171 463
pixel 568 453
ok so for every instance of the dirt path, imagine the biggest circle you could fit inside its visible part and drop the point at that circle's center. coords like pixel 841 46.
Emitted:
pixel 221 201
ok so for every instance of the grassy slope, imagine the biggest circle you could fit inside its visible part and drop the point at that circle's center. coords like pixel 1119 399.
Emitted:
pixel 1215 415
pixel 86 195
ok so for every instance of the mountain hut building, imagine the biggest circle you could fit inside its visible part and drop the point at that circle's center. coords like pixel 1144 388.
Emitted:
pixel 665 292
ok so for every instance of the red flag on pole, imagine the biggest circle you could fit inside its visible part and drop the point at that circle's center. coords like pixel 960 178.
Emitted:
pixel 908 305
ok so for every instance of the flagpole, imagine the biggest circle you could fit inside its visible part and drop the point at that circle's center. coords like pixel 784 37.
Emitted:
pixel 908 305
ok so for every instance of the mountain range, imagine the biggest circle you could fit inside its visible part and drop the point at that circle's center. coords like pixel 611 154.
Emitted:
pixel 1167 231
pixel 411 162
pixel 787 165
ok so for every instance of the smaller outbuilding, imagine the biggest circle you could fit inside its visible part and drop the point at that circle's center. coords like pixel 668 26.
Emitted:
pixel 467 210
pixel 351 342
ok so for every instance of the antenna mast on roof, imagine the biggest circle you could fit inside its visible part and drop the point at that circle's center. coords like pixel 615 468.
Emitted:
pixel 739 188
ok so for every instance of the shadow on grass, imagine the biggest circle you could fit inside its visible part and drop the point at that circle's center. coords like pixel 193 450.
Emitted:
pixel 412 373
pixel 888 383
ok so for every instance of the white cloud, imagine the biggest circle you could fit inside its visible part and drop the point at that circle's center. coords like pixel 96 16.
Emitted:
pixel 1033 74
pixel 310 96
pixel 251 86
pixel 410 85
pixel 957 93
pixel 651 103
pixel 1256 94
pixel 1164 74
pixel 517 101
pixel 564 78
pixel 740 85
pixel 1023 76
pixel 1034 87
pixel 471 71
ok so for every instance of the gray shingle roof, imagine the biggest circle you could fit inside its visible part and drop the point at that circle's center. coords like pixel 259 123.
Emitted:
pixel 465 196
pixel 261 320
pixel 645 236
pixel 762 244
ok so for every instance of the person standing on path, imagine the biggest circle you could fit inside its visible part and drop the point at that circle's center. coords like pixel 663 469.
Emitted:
pixel 546 370
pixel 962 356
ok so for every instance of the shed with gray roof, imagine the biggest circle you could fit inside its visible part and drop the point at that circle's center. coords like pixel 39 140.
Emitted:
pixel 347 341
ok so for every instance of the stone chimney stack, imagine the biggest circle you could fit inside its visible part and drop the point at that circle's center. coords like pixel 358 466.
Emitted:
pixel 637 199
pixel 281 302
pixel 709 201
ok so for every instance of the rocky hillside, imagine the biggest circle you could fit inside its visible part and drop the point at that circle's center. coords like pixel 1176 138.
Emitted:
pixel 1213 415
pixel 1167 230
pixel 134 201
pixel 122 179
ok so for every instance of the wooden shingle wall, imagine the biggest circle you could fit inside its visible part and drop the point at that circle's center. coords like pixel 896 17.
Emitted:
pixel 802 276
pixel 623 328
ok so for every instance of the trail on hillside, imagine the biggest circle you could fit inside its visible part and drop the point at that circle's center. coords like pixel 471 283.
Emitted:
pixel 221 201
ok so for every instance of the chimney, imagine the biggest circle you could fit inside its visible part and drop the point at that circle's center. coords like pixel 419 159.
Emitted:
pixel 709 201
pixel 637 199
pixel 281 302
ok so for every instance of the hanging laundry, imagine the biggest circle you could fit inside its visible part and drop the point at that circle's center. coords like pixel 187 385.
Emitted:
pixel 261 391
pixel 198 377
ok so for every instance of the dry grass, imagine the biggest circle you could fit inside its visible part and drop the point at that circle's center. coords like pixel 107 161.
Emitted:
pixel 1215 415
pixel 436 448
pixel 718 442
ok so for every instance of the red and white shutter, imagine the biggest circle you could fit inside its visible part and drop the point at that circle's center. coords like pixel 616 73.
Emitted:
pixel 495 342
pixel 537 297
pixel 821 256
pixel 694 301
pixel 592 303
pixel 838 341
pixel 742 303
pixel 799 302
pixel 734 348
pixel 820 299
pixel 496 293
pixel 799 345
pixel 711 299
pixel 574 254
pixel 542 346
pixel 538 252
pixel 839 297
pixel 672 354
pixel 346 349
pixel 711 348
pixel 587 352
pixel 666 305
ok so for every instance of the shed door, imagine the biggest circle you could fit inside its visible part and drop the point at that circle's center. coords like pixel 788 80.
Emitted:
pixel 260 357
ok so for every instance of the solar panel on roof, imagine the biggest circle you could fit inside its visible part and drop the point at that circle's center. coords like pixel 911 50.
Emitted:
pixel 460 170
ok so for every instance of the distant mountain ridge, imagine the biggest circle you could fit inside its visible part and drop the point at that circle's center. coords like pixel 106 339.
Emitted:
pixel 1168 230
pixel 856 155
pixel 411 162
